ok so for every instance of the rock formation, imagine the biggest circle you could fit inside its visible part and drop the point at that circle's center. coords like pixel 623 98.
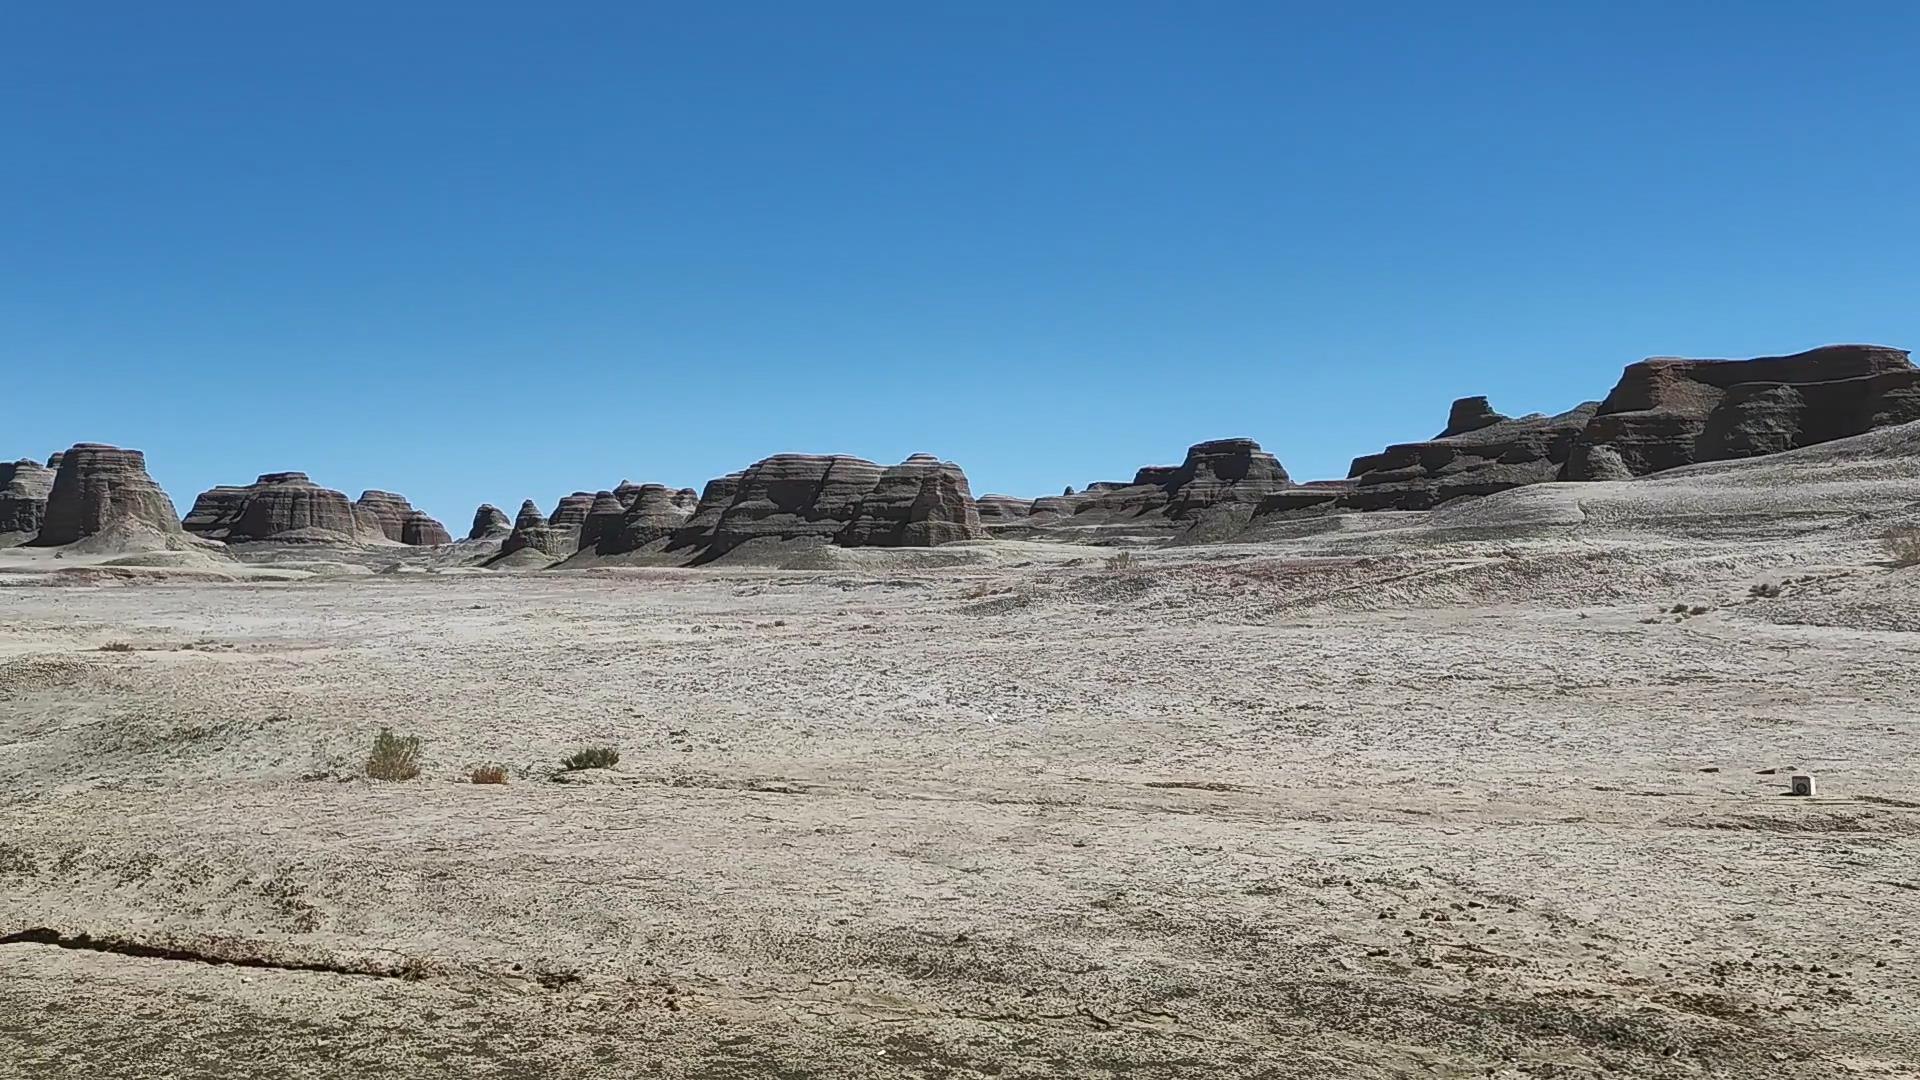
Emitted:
pixel 24 487
pixel 97 488
pixel 569 515
pixel 215 511
pixel 1667 412
pixel 420 530
pixel 531 531
pixel 392 516
pixel 794 497
pixel 921 502
pixel 655 514
pixel 54 459
pixel 1219 473
pixel 604 519
pixel 489 523
pixel 290 508
pixel 1476 456
pixel 627 491
pixel 697 530
pixel 998 510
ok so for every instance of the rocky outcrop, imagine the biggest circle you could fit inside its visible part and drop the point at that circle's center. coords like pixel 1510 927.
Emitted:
pixel 998 510
pixel 1666 412
pixel 687 499
pixel 531 532
pixel 489 523
pixel 698 530
pixel 287 507
pixel 97 488
pixel 393 517
pixel 921 502
pixel 1479 460
pixel 603 522
pixel 421 530
pixel 215 511
pixel 794 497
pixel 54 459
pixel 24 487
pixel 650 520
pixel 627 491
pixel 1470 414
pixel 569 515
pixel 1225 473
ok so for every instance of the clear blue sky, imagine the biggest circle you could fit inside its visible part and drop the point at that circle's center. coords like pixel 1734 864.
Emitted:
pixel 481 251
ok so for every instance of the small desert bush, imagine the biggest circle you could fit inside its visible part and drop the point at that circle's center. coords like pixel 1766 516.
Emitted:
pixel 1120 562
pixel 395 757
pixel 591 757
pixel 1766 590
pixel 489 774
pixel 1903 545
pixel 117 646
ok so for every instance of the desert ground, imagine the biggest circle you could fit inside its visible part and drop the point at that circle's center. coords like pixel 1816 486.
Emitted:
pixel 1498 790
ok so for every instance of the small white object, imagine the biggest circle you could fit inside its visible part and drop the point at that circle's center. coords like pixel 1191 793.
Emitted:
pixel 1800 784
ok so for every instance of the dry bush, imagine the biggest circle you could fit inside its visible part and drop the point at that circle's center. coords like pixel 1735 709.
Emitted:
pixel 395 757
pixel 1766 590
pixel 489 774
pixel 1121 562
pixel 1903 545
pixel 591 757
pixel 117 646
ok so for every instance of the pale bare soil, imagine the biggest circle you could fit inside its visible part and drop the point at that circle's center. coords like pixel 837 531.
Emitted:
pixel 1319 807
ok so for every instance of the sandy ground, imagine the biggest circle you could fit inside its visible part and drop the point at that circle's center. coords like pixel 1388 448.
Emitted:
pixel 1475 801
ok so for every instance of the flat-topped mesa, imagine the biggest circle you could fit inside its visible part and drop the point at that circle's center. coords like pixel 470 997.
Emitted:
pixel 489 523
pixel 1003 510
pixel 1222 471
pixel 568 516
pixel 650 520
pixel 1666 411
pixel 921 502
pixel 287 507
pixel 24 487
pixel 1470 414
pixel 1480 460
pixel 794 497
pixel 1219 472
pixel 531 530
pixel 422 530
pixel 99 487
pixel 382 512
pixel 215 510
pixel 604 519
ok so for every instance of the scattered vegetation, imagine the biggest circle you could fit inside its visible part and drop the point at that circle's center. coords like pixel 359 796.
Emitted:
pixel 591 757
pixel 1903 546
pixel 1122 561
pixel 395 757
pixel 1766 590
pixel 489 774
pixel 117 646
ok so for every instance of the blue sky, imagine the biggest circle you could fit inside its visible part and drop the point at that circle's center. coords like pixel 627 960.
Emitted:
pixel 479 252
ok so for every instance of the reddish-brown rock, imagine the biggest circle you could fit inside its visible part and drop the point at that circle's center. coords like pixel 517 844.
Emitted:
pixel 99 487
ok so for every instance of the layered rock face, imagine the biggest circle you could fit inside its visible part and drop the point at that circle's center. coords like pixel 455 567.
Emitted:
pixel 792 497
pixel 531 530
pixel 489 523
pixel 421 530
pixel 1479 453
pixel 289 507
pixel 99 487
pixel 604 519
pixel 569 515
pixel 697 530
pixel 1003 510
pixel 393 517
pixel 655 513
pixel 215 511
pixel 1218 473
pixel 1666 412
pixel 24 487
pixel 921 502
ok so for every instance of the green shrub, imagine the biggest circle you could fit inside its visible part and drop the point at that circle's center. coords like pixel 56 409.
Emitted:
pixel 395 757
pixel 591 757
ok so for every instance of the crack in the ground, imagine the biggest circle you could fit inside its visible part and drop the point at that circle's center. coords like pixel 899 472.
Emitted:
pixel 42 935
